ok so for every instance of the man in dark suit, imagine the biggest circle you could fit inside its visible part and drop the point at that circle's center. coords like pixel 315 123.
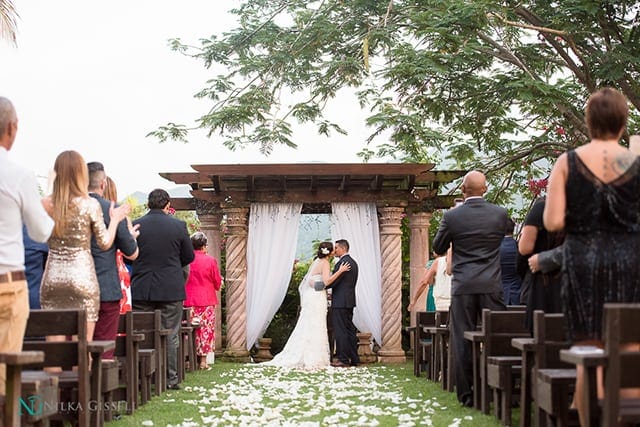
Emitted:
pixel 157 280
pixel 105 261
pixel 343 300
pixel 474 230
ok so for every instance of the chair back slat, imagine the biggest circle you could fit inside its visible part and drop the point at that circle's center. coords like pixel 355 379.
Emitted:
pixel 622 348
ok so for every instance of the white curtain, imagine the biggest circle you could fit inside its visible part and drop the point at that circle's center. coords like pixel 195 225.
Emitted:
pixel 358 224
pixel 271 247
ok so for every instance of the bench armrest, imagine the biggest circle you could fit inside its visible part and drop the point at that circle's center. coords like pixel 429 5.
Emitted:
pixel 100 347
pixel 523 344
pixel 22 357
pixel 587 359
pixel 474 336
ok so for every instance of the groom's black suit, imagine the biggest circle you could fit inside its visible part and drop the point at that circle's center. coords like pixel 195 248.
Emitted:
pixel 343 300
pixel 475 231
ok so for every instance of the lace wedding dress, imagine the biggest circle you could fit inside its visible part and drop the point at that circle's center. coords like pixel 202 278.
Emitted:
pixel 308 345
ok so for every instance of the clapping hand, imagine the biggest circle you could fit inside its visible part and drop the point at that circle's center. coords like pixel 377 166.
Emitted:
pixel 119 213
pixel 133 229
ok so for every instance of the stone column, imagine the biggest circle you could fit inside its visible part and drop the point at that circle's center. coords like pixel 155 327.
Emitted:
pixel 419 253
pixel 210 216
pixel 236 284
pixel 391 252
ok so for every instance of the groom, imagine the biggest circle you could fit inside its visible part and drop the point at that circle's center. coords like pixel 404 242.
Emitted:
pixel 343 300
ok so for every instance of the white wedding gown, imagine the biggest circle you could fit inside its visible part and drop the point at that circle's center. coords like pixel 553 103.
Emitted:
pixel 308 344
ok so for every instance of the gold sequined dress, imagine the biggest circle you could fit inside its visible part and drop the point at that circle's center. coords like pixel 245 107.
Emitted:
pixel 69 280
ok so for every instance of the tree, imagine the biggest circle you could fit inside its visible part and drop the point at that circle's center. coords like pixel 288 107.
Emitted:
pixel 495 85
pixel 8 20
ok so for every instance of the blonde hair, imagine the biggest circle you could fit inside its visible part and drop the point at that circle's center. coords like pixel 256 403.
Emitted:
pixel 111 192
pixel 72 180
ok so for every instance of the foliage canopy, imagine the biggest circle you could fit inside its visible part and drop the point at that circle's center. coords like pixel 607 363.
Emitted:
pixel 495 85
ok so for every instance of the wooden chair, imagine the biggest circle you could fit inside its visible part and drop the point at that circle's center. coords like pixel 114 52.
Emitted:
pixel 75 382
pixel 422 343
pixel 622 369
pixel 494 339
pixel 540 352
pixel 187 345
pixel 440 354
pixel 149 323
pixel 552 379
pixel 10 403
pixel 503 361
pixel 127 355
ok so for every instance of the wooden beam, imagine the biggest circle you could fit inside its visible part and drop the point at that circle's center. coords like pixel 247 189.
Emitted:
pixel 398 198
pixel 315 169
pixel 183 203
pixel 181 177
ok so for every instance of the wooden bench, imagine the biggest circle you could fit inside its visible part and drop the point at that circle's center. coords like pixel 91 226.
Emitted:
pixel 80 392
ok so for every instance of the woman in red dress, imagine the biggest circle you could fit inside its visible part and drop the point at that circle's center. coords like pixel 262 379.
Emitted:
pixel 203 282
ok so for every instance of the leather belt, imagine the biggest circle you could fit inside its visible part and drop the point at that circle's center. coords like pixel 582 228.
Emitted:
pixel 12 276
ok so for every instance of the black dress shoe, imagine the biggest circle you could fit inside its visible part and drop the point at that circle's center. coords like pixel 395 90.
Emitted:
pixel 339 364
pixel 468 402
pixel 173 387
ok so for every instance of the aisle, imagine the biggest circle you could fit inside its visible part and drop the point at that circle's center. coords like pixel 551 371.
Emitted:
pixel 250 395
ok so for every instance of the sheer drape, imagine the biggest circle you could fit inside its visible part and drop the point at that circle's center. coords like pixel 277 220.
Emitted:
pixel 358 224
pixel 273 231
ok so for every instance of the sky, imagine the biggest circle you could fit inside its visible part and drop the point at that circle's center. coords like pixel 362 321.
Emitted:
pixel 96 77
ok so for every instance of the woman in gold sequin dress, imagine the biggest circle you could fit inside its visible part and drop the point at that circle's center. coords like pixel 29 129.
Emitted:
pixel 69 280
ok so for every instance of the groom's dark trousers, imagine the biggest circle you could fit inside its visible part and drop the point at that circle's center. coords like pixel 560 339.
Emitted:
pixel 343 300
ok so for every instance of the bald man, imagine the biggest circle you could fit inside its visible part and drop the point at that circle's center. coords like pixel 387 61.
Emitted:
pixel 20 203
pixel 474 230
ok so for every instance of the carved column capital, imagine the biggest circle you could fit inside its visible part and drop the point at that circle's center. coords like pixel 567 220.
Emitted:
pixel 204 207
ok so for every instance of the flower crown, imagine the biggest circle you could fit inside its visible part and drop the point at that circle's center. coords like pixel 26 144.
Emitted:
pixel 324 251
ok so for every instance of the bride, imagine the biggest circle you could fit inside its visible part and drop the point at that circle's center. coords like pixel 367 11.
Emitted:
pixel 308 345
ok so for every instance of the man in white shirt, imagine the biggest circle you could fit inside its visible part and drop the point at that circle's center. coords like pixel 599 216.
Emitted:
pixel 20 203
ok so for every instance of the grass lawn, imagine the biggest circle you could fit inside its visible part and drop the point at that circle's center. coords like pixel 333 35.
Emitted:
pixel 250 395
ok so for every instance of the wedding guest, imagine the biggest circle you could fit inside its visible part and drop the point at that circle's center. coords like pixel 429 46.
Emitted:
pixel 601 218
pixel 203 282
pixel 124 275
pixel 511 281
pixel 35 257
pixel 157 281
pixel 105 260
pixel 542 288
pixel 439 283
pixel 474 231
pixel 20 203
pixel 69 279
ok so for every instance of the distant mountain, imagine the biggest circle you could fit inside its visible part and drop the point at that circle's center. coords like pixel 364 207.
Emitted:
pixel 313 227
pixel 182 191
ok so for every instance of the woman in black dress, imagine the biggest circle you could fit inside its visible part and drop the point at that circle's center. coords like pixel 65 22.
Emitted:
pixel 540 291
pixel 594 195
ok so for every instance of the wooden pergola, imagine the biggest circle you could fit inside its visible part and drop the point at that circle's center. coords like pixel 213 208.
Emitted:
pixel 396 189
